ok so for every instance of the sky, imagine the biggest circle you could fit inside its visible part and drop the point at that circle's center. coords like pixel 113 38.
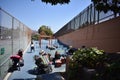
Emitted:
pixel 35 13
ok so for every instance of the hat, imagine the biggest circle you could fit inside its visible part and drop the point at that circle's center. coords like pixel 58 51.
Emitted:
pixel 70 46
pixel 42 51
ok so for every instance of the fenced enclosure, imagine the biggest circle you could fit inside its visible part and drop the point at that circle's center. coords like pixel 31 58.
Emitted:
pixel 14 35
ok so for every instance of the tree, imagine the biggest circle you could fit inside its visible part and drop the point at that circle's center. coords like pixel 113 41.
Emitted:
pixel 35 36
pixel 101 5
pixel 107 5
pixel 46 29
pixel 55 2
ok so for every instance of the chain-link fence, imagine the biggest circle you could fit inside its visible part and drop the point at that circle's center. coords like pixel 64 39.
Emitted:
pixel 14 35
pixel 88 16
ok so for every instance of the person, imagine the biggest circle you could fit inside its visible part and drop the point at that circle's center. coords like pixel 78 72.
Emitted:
pixel 41 66
pixel 16 58
pixel 32 47
pixel 38 60
pixel 70 51
pixel 50 47
pixel 57 57
pixel 20 53
pixel 45 57
pixel 42 52
pixel 83 47
pixel 49 57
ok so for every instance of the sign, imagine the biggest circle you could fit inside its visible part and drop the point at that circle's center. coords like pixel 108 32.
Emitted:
pixel 2 51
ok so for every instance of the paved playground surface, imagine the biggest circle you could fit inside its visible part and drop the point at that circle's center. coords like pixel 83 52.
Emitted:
pixel 29 64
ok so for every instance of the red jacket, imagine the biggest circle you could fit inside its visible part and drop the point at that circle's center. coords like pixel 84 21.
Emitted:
pixel 15 56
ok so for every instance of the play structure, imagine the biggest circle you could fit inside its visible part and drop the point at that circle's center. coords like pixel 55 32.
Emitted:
pixel 44 36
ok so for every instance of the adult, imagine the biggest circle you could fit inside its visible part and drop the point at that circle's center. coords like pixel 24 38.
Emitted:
pixel 16 58
pixel 57 55
pixel 42 66
pixel 57 59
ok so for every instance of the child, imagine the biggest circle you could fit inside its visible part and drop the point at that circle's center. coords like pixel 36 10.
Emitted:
pixel 32 47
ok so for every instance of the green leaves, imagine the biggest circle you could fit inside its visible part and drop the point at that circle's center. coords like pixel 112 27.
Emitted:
pixel 45 29
pixel 107 5
pixel 107 65
pixel 55 2
pixel 88 57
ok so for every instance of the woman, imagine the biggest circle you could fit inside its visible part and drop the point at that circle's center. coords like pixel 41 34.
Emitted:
pixel 42 68
pixel 16 59
pixel 40 64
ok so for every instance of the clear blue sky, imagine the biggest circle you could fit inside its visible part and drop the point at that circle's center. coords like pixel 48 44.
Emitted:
pixel 36 13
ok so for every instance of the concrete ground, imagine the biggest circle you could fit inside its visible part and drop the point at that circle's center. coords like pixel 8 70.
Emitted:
pixel 29 64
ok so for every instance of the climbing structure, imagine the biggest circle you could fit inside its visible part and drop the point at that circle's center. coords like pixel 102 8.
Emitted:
pixel 44 36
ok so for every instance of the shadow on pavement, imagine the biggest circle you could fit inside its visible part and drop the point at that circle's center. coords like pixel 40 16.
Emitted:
pixel 25 79
pixel 34 72
pixel 29 52
pixel 50 76
pixel 12 69
pixel 46 76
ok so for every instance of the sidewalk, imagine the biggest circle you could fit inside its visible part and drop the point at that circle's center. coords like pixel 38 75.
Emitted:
pixel 29 64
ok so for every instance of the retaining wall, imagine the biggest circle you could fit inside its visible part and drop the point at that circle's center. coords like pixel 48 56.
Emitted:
pixel 105 36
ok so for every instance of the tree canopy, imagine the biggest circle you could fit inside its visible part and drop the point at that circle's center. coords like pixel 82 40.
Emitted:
pixel 107 5
pixel 100 5
pixel 45 29
pixel 55 2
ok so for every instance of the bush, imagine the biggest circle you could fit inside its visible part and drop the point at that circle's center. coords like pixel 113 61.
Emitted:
pixel 107 67
pixel 89 57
